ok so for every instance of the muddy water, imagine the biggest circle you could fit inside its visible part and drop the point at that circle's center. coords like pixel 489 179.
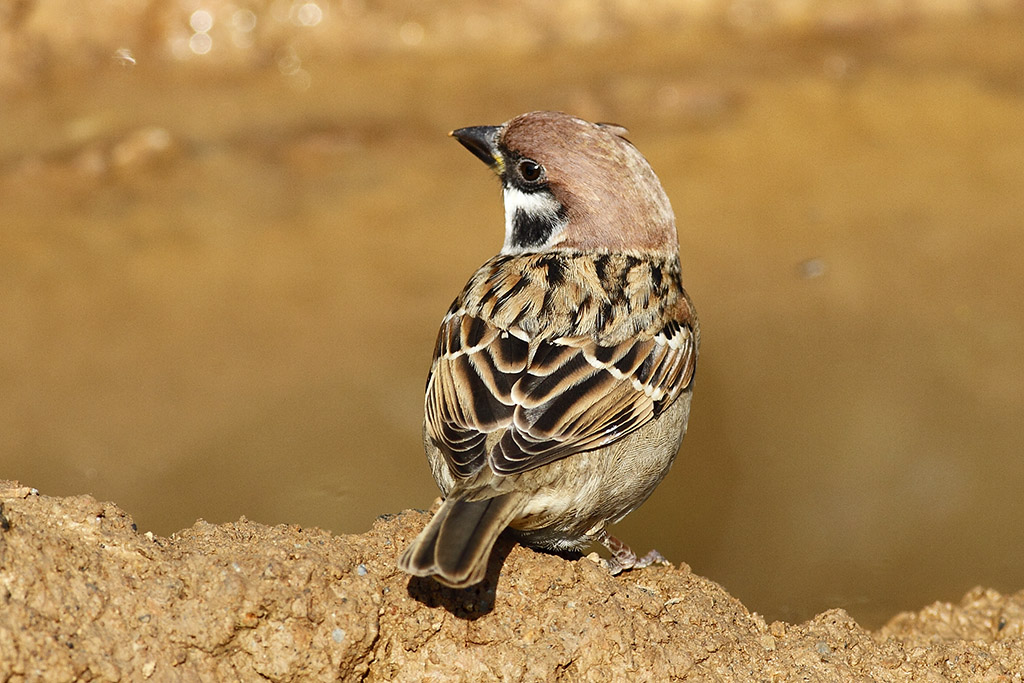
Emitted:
pixel 218 295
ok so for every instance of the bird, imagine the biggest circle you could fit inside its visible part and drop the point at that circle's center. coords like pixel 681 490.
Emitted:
pixel 562 375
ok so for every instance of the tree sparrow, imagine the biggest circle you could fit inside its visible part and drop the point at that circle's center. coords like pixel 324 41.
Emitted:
pixel 562 375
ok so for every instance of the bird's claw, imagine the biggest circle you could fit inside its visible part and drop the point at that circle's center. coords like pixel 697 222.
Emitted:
pixel 623 558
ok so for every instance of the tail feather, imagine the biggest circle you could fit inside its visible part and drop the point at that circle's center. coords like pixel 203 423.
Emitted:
pixel 456 544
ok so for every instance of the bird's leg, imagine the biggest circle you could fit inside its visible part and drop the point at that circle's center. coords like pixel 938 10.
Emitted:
pixel 623 557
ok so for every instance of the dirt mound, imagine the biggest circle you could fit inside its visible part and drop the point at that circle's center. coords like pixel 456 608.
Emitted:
pixel 87 596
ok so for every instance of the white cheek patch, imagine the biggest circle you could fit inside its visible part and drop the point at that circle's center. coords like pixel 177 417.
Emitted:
pixel 539 207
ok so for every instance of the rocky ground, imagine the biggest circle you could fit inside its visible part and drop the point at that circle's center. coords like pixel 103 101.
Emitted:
pixel 86 596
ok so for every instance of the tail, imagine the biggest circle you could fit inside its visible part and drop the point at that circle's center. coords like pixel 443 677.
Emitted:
pixel 456 544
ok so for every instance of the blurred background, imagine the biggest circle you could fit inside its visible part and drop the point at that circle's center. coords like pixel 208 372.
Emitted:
pixel 229 230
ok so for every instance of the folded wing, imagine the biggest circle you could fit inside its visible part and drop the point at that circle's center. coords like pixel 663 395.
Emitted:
pixel 551 398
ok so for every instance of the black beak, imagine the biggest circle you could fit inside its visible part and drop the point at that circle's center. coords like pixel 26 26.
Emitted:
pixel 481 141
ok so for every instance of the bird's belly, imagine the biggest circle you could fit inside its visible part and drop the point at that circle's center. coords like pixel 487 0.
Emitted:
pixel 587 491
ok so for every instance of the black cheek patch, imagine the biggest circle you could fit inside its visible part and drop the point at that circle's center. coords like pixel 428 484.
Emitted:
pixel 531 229
pixel 534 224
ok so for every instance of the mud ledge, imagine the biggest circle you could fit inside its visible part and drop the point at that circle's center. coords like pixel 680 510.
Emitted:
pixel 84 595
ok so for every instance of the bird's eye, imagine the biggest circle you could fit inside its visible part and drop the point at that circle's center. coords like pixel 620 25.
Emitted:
pixel 530 170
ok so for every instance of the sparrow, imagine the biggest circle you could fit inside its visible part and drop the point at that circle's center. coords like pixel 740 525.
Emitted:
pixel 561 379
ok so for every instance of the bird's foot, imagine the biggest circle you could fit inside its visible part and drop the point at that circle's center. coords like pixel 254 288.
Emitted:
pixel 623 558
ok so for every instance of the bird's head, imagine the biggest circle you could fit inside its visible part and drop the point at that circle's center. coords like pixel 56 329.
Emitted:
pixel 573 185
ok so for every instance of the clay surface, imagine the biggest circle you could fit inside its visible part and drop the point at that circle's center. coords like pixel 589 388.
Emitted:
pixel 86 596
